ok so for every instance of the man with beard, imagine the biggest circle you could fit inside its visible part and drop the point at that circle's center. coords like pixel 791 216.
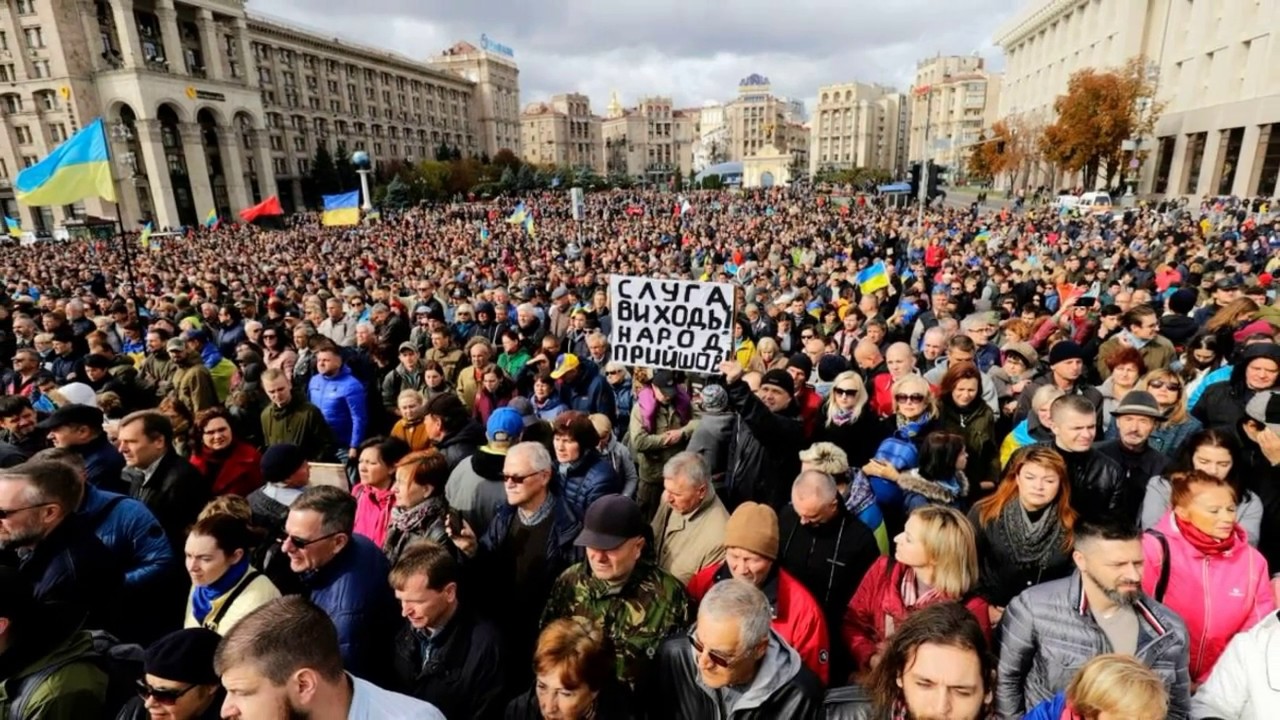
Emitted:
pixel 282 662
pixel 1135 418
pixel 1051 629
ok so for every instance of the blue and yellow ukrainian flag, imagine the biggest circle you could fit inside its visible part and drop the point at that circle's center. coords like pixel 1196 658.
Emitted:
pixel 519 215
pixel 342 209
pixel 77 169
pixel 13 227
pixel 145 238
pixel 872 278
pixel 528 225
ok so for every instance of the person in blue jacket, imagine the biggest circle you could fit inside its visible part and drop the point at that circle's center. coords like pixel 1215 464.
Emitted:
pixel 582 387
pixel 341 399
pixel 345 575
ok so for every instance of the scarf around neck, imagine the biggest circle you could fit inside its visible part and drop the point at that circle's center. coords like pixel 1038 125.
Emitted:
pixel 1202 541
pixel 1031 542
pixel 203 596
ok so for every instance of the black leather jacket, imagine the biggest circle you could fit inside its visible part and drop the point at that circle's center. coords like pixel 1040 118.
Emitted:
pixel 790 690
pixel 464 675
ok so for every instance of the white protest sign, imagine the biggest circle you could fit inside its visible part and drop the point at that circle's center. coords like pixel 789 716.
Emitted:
pixel 671 324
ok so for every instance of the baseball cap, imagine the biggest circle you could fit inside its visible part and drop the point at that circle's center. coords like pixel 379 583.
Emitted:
pixel 86 415
pixel 175 345
pixel 505 425
pixel 408 346
pixel 1138 402
pixel 609 522
pixel 566 364
pixel 665 382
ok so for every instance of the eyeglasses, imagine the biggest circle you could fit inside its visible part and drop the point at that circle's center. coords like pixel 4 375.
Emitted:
pixel 269 336
pixel 845 392
pixel 613 373
pixel 1165 385
pixel 518 479
pixel 912 398
pixel 356 303
pixel 303 543
pixel 10 513
pixel 717 658
pixel 164 696
pixel 806 336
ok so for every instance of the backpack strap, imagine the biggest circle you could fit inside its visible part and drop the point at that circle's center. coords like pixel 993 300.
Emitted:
pixel 212 623
pixel 27 686
pixel 1162 584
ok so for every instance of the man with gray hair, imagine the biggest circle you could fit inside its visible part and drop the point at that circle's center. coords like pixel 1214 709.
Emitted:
pixel 732 664
pixel 688 529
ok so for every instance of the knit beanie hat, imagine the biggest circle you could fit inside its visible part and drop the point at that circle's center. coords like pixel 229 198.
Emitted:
pixel 280 461
pixel 830 366
pixel 801 362
pixel 714 398
pixel 1182 301
pixel 753 526
pixel 780 379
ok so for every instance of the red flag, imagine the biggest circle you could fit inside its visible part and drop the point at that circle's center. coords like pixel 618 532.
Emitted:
pixel 270 206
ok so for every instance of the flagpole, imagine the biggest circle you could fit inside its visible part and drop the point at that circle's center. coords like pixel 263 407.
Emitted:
pixel 122 132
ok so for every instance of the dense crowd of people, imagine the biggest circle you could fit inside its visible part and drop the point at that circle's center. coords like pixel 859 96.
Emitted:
pixel 392 471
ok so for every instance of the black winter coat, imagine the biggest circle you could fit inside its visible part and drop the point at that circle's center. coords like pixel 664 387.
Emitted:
pixel 463 677
pixel 1000 577
pixel 858 439
pixel 765 452
pixel 73 572
pixel 1098 489
pixel 1222 404
pixel 175 494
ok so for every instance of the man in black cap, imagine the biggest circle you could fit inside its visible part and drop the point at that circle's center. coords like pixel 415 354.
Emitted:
pixel 1135 418
pixel 808 402
pixel 53 547
pixel 286 473
pixel 178 679
pixel 47 663
pixel 67 365
pixel 408 375
pixel 635 603
pixel 103 374
pixel 79 428
pixel 1066 371
pixel 1225 292
pixel 765 447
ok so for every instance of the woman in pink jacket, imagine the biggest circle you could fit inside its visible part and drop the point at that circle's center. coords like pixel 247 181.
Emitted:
pixel 376 493
pixel 1199 563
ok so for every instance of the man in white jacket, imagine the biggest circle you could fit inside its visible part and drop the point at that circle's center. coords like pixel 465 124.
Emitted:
pixel 1245 683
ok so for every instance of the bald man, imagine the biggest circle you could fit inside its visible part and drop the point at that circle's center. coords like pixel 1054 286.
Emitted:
pixel 875 376
pixel 900 360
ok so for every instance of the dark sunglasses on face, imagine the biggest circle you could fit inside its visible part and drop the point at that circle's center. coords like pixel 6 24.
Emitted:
pixel 10 513
pixel 1165 385
pixel 518 479
pixel 845 392
pixel 718 659
pixel 912 398
pixel 163 696
pixel 302 543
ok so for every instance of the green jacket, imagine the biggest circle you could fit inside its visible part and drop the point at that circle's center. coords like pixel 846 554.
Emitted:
pixel 299 423
pixel 77 689
pixel 194 386
pixel 650 454
pixel 649 607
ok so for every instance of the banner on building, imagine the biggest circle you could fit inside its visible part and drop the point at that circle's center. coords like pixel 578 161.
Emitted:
pixel 671 324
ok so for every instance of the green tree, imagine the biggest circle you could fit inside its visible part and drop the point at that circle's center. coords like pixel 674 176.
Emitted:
pixel 506 159
pixel 508 180
pixel 324 173
pixel 433 177
pixel 347 177
pixel 526 179
pixel 443 153
pixel 397 195
pixel 484 158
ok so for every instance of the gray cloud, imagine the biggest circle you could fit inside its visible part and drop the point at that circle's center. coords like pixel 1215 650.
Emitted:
pixel 691 50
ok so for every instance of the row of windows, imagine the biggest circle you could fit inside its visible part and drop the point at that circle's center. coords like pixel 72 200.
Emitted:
pixel 44 100
pixel 286 58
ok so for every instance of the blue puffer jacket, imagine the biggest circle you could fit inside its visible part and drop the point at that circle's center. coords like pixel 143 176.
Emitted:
pixel 352 589
pixel 589 393
pixel 132 534
pixel 341 400
pixel 1050 709
pixel 589 477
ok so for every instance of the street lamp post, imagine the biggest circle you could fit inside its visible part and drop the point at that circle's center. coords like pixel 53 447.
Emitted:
pixel 121 132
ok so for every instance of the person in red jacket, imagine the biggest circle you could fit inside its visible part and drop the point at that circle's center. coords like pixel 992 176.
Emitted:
pixel 935 560
pixel 751 548
pixel 231 465
pixel 800 368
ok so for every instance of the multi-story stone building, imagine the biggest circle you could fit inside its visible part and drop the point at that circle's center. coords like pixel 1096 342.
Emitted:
pixel 492 69
pixel 563 132
pixel 650 142
pixel 858 125
pixel 757 118
pixel 1211 62
pixel 208 107
pixel 953 99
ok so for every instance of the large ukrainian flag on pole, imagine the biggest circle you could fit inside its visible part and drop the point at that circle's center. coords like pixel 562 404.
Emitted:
pixel 77 169
pixel 342 209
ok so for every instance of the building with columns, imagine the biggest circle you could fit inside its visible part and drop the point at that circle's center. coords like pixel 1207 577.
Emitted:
pixel 650 142
pixel 1212 64
pixel 492 69
pixel 207 106
pixel 954 98
pixel 859 125
pixel 563 132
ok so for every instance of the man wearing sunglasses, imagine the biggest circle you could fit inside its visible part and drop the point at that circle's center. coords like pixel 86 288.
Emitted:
pixel 178 681
pixel 34 637
pixel 732 652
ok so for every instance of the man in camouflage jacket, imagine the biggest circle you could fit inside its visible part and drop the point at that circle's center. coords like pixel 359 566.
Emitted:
pixel 635 603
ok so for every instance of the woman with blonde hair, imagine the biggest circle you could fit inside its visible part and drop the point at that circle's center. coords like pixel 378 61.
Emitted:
pixel 768 356
pixel 1169 390
pixel 847 422
pixel 1108 687
pixel 935 559
pixel 1024 529
pixel 1037 428
pixel 574 679
pixel 410 427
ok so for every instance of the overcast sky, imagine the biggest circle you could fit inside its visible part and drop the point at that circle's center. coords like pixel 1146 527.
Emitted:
pixel 693 50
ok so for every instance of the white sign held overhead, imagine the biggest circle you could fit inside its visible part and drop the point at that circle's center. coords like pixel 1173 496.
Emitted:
pixel 671 324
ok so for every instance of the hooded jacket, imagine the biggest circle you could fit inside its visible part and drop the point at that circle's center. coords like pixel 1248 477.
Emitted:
pixel 77 688
pixel 782 687
pixel 1218 596
pixel 589 392
pixel 1222 404
pixel 797 618
pixel 461 443
pixel 341 400
pixel 475 487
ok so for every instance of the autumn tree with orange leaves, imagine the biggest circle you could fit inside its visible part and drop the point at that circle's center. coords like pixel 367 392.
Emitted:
pixel 1100 110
